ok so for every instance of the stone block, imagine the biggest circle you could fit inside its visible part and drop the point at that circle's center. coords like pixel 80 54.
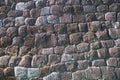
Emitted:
pixel 11 32
pixel 53 59
pixel 70 49
pixel 107 43
pixel 5 41
pixel 62 39
pixel 72 28
pixel 102 8
pixel 77 9
pixel 60 28
pixel 95 45
pixel 66 18
pixel 114 52
pixel 26 13
pixel 78 18
pixel 29 41
pixel 41 20
pixel 110 16
pixel 14 13
pixel 9 71
pixel 99 62
pixel 20 6
pixel 68 9
pixel 23 50
pixel 59 50
pixel 30 4
pixel 47 51
pixel 100 16
pixel 66 58
pixel 12 50
pixel 45 11
pixel 117 72
pixel 71 66
pixel 22 31
pixel 94 2
pixel 2 31
pixel 4 60
pixel 114 33
pixel 83 27
pixel 90 17
pixel 112 62
pixel 83 47
pixel 103 53
pixel 53 19
pixel 89 9
pixel 83 64
pixel 19 21
pixel 89 37
pixel 30 21
pixel 86 2
pixel 35 13
pixel 117 43
pixel 114 7
pixel 66 76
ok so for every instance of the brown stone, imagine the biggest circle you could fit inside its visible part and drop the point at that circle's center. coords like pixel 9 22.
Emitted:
pixel 112 62
pixel 12 50
pixel 114 33
pixel 11 32
pixel 102 53
pixel 60 28
pixel 31 30
pixel 83 64
pixel 68 9
pixel 62 39
pixel 114 7
pixel 34 13
pixel 107 43
pixel 9 21
pixel 29 41
pixel 89 37
pixel 14 13
pixel 72 28
pixel 117 43
pixel 45 70
pixel 70 49
pixel 22 31
pixel 90 17
pixel 99 62
pixel 53 59
pixel 17 41
pixel 95 45
pixel 55 9
pixel 83 47
pixel 83 27
pixel 78 18
pixel 66 18
pixel 9 71
pixel 66 76
pixel 2 31
pixel 5 41
pixel 26 13
pixel 59 50
pixel 114 52
pixel 30 21
pixel 23 50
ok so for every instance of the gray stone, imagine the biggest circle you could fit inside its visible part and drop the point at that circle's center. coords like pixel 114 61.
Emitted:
pixel 112 62
pixel 53 59
pixel 22 31
pixel 110 16
pixel 4 60
pixel 103 53
pixel 59 50
pixel 52 19
pixel 11 32
pixel 2 31
pixel 117 43
pixel 1 24
pixel 70 49
pixel 20 6
pixel 83 64
pixel 114 52
pixel 83 47
pixel 45 11
pixel 30 21
pixel 41 20
pixel 66 76
pixel 40 3
pixel 118 72
pixel 33 73
pixel 52 76
pixel 17 41
pixel 89 8
pixel 93 73
pixel 66 18
pixel 82 27
pixel 19 21
pixel 62 39
pixel 71 66
pixel 108 73
pixel 39 60
pixel 107 43
pixel 47 51
pixel 114 33
pixel 66 57
pixel 98 62
pixel 20 72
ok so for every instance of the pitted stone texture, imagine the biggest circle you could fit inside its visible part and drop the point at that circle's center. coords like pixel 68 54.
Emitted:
pixel 71 66
pixel 41 20
pixel 19 21
pixel 107 43
pixel 93 73
pixel 98 62
pixel 23 50
pixel 25 61
pixel 4 60
pixel 52 76
pixel 117 72
pixel 108 73
pixel 45 11
pixel 89 37
pixel 59 50
pixel 60 28
pixel 62 39
pixel 70 49
pixel 112 62
pixel 55 9
pixel 83 64
pixel 103 53
pixel 47 51
pixel 66 57
pixel 89 8
pixel 53 19
pixel 39 60
pixel 66 18
pixel 71 29
pixel 20 6
pixel 110 16
pixel 53 59
pixel 83 47
pixel 114 52
pixel 66 76
pixel 11 32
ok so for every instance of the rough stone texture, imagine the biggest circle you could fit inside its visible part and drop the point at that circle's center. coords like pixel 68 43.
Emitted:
pixel 102 53
pixel 99 62
pixel 66 57
pixel 83 64
pixel 83 47
pixel 114 52
pixel 110 16
pixel 9 71
pixel 66 18
pixel 70 49
pixel 112 62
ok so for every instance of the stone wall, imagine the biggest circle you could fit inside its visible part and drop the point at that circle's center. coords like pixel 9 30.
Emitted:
pixel 66 39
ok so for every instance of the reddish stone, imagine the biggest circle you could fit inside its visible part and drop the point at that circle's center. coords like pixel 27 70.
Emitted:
pixel 55 9
pixel 60 28
pixel 66 18
pixel 78 18
pixel 72 28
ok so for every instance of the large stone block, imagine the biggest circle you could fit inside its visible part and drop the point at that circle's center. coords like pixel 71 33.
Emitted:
pixel 41 20
pixel 66 18
pixel 98 62
pixel 89 37
pixel 103 53
pixel 19 21
pixel 23 50
pixel 66 58
pixel 110 16
pixel 4 60
pixel 114 33
pixel 53 19
pixel 114 7
pixel 59 50
pixel 89 9
pixel 60 28
pixel 53 59
pixel 83 47
pixel 70 49
pixel 62 39
pixel 114 52
pixel 78 18
pixel 45 11
pixel 72 28
pixel 112 62
pixel 83 64
pixel 90 17
pixel 83 27
pixel 102 8
pixel 11 32
pixel 20 6
pixel 71 66
pixel 107 43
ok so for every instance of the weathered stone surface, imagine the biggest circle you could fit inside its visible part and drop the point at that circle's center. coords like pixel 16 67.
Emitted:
pixel 95 45
pixel 52 76
pixel 25 61
pixel 100 16
pixel 60 28
pixel 17 41
pixel 89 37
pixel 14 13
pixel 30 4
pixel 68 9
pixel 114 7
pixel 26 13
pixel 5 41
pixel 9 71
pixel 12 50
pixel 62 39
pixel 77 9
pixel 110 16
pixel 108 73
pixel 79 75
pixel 39 60
pixel 114 33
pixel 93 73
pixel 7 22
pixel 59 50
pixel 86 2
pixel 66 57
pixel 75 38
pixel 103 53
pixel 78 18
pixel 23 50
pixel 40 3
pixel 90 17
pixel 117 72
pixel 60 67
pixel 47 51
pixel 29 41
pixel 83 64
pixel 83 47
pixel 45 11
pixel 117 42
pixel 55 9
pixel 112 62
pixel 30 21
pixel 20 6
pixel 66 18
pixel 2 31
pixel 1 72
pixel 83 27
pixel 4 60
pixel 72 28
pixel 89 8
pixel 107 43
pixel 102 35
pixel 70 49
pixel 19 21
pixel 98 62
pixel 35 13
pixel 45 71
pixel 114 52
pixel 41 20
pixel 11 32
pixel 76 2
pixel 2 52
pixel 53 19
pixel 94 2
pixel 102 8
pixel 94 26
pixel 66 76
pixel 45 40
pixel 71 66
pixel 32 30
pixel 14 61
pixel 53 59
